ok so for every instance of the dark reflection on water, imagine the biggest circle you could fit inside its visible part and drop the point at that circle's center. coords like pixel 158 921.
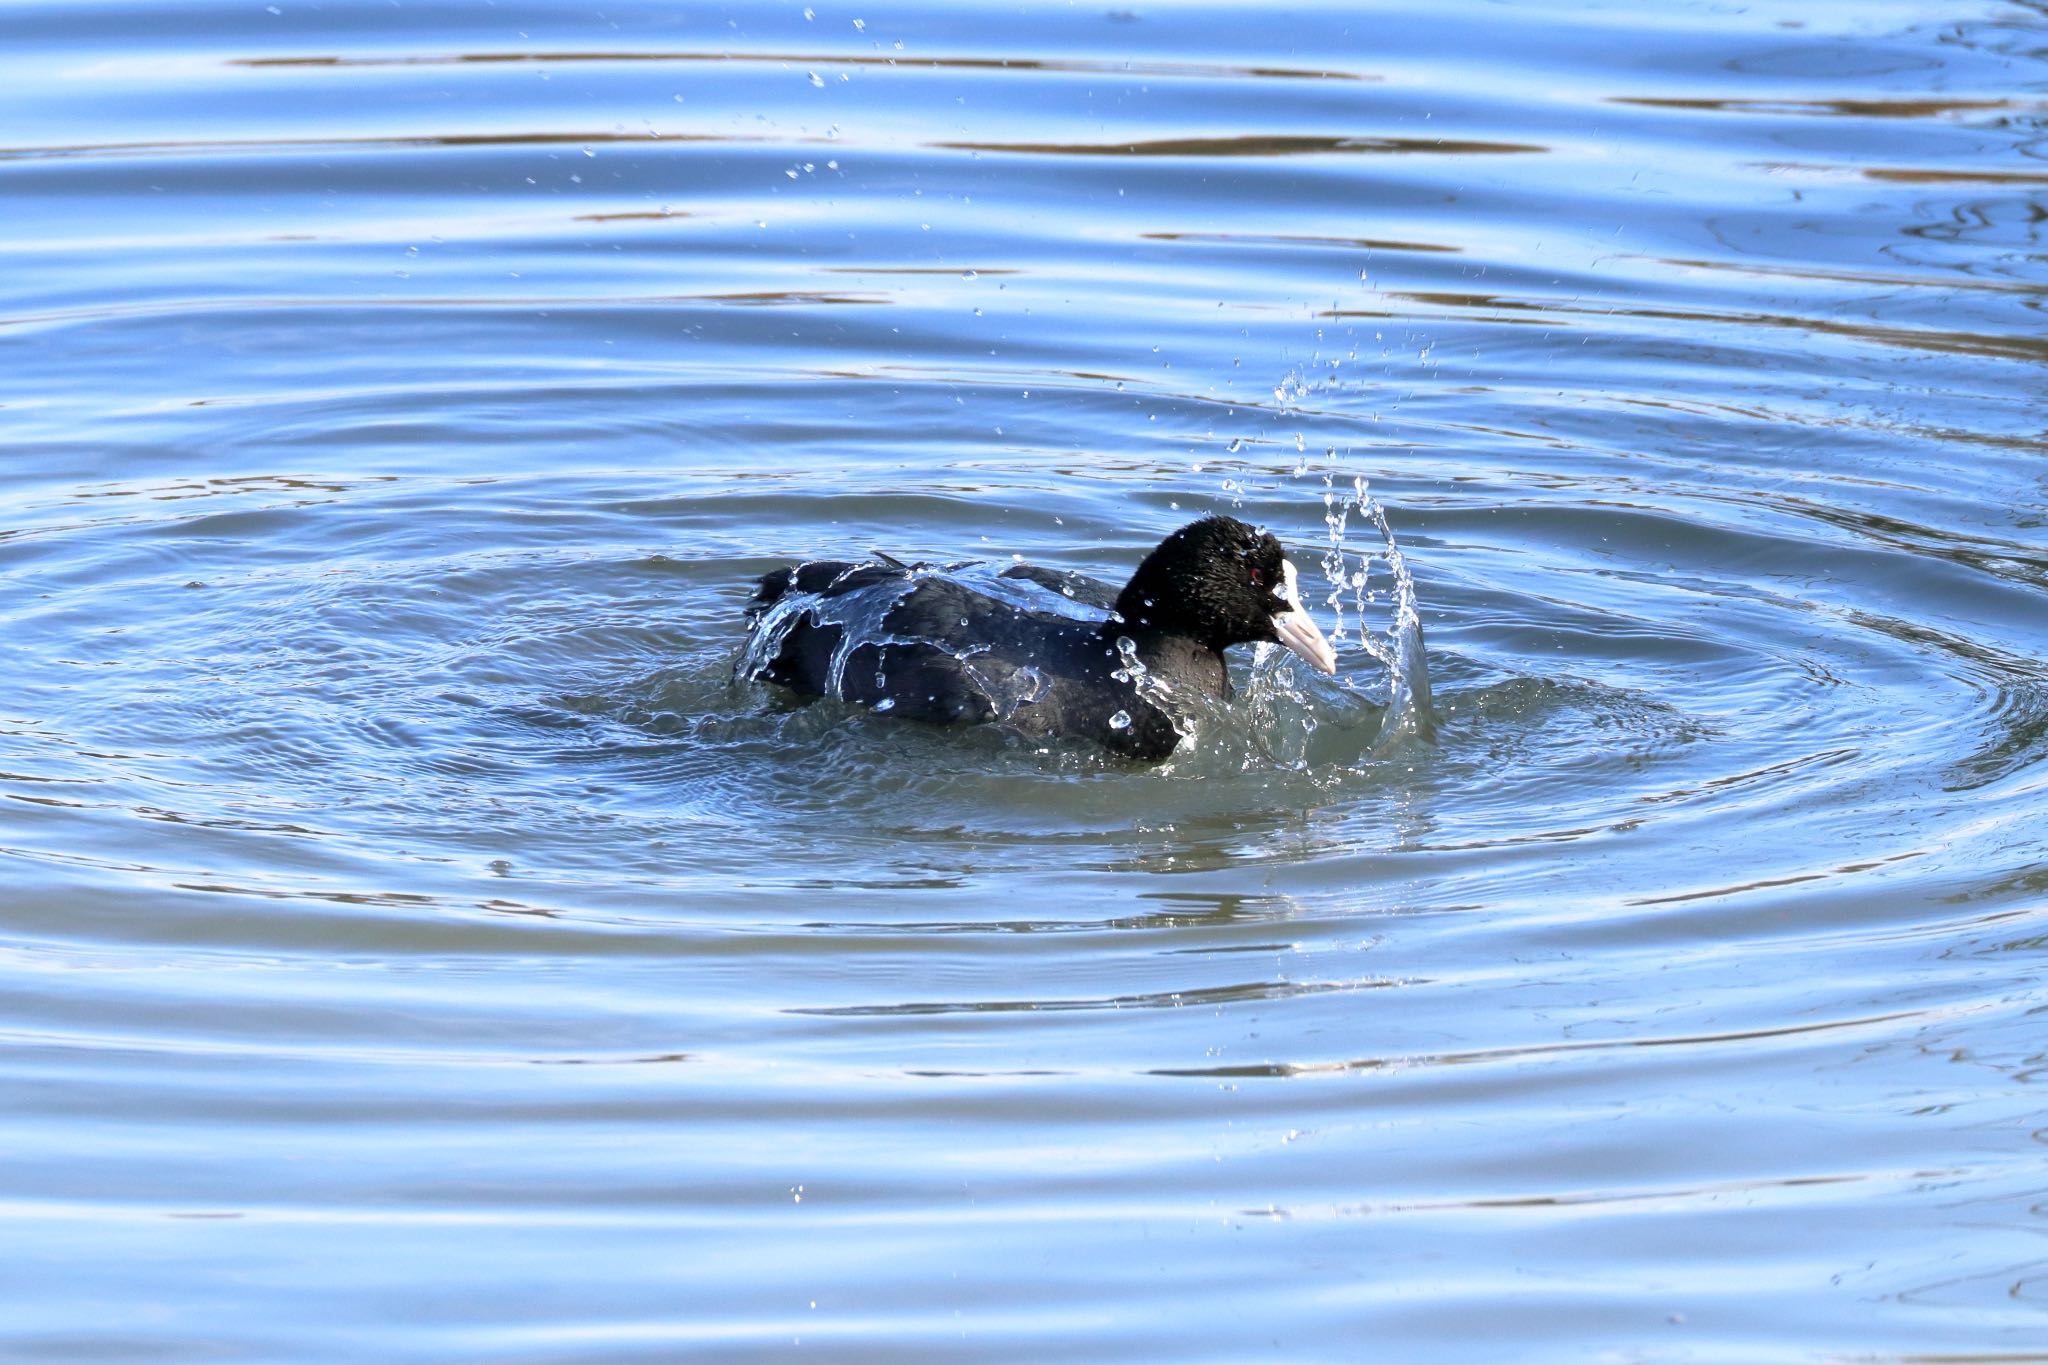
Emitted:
pixel 1250 146
pixel 1845 108
pixel 415 944
pixel 1555 311
pixel 896 59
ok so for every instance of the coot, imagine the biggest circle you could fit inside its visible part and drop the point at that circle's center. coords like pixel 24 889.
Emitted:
pixel 913 641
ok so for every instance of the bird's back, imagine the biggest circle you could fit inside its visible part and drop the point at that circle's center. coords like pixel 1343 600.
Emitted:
pixel 915 643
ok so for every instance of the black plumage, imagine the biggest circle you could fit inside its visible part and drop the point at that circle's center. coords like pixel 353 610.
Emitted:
pixel 915 642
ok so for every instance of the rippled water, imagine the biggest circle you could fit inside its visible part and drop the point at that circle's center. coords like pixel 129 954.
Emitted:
pixel 415 946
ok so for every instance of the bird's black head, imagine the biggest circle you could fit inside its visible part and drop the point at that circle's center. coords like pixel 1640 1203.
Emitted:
pixel 1221 582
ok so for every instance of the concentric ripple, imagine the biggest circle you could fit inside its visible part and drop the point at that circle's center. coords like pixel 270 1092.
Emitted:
pixel 415 943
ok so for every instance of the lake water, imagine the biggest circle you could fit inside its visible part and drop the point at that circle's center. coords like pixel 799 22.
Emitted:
pixel 413 945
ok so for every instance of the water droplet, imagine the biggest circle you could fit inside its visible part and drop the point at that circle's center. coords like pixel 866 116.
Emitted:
pixel 1237 445
pixel 809 14
pixel 1120 721
pixel 860 26
pixel 816 79
pixel 886 704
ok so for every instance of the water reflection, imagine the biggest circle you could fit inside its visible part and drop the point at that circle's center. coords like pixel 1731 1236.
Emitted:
pixel 1272 239
pixel 1270 145
pixel 1496 1056
pixel 1554 312
pixel 894 59
pixel 403 909
pixel 1842 108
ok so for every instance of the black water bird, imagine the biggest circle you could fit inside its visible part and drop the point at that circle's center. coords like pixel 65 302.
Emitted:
pixel 915 642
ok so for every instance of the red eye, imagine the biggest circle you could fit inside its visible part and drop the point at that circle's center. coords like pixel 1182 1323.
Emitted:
pixel 1258 579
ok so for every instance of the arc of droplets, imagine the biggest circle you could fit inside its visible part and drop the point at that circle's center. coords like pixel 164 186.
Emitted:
pixel 1408 692
pixel 1335 517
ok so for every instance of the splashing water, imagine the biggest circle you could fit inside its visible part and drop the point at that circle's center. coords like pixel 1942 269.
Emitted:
pixel 860 616
pixel 1273 723
pixel 1008 691
pixel 1158 691
pixel 1401 648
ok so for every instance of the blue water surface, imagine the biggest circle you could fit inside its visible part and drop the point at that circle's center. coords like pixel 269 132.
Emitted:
pixel 415 945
